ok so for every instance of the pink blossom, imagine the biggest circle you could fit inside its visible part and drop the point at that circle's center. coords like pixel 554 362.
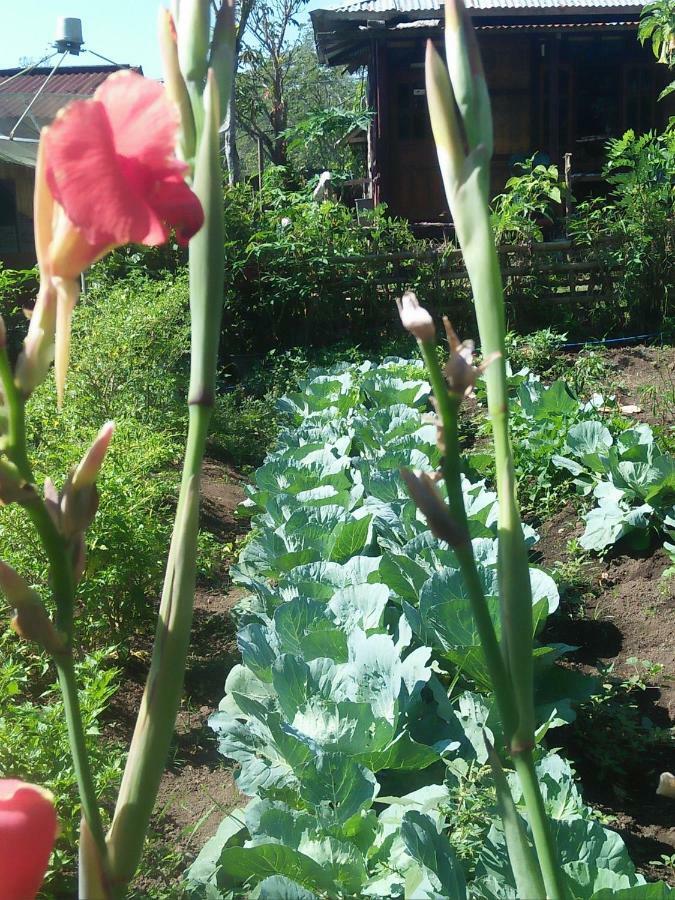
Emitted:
pixel 28 829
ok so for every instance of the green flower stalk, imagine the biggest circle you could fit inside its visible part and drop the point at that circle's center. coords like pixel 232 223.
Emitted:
pixel 161 698
pixel 461 121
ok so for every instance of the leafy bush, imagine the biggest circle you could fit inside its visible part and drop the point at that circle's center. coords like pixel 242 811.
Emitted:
pixel 631 480
pixel 362 675
pixel 531 196
pixel 34 740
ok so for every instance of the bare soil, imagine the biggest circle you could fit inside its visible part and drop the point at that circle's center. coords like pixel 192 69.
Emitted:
pixel 197 789
pixel 624 609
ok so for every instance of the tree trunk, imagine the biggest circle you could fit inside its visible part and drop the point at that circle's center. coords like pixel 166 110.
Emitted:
pixel 231 152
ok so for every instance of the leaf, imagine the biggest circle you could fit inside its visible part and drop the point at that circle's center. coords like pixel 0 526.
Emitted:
pixel 587 438
pixel 278 887
pixel 349 539
pixel 245 864
pixel 359 607
pixel 657 891
pixel 433 851
pixel 336 787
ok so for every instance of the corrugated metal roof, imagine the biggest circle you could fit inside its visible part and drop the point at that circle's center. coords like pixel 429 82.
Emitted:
pixel 82 80
pixel 520 26
pixel 74 83
pixel 413 6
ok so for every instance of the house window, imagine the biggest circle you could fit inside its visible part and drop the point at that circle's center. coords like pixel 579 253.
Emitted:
pixel 9 234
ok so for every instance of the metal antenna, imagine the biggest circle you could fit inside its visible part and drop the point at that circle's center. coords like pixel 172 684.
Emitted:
pixel 28 69
pixel 37 94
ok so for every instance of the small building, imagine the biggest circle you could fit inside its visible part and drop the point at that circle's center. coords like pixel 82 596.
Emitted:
pixel 564 76
pixel 28 101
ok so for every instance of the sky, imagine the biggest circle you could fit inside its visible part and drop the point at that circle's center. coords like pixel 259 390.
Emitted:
pixel 122 30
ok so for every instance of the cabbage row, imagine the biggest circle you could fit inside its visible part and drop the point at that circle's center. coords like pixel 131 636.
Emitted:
pixel 362 694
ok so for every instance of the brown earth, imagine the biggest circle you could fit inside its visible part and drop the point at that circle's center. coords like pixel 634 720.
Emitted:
pixel 197 790
pixel 622 608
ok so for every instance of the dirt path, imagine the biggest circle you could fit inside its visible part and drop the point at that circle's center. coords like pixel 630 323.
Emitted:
pixel 197 790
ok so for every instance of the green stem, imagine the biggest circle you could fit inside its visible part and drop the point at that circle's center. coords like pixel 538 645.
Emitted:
pixel 154 727
pixel 448 407
pixel 541 830
pixel 16 449
pixel 63 592
pixel 78 749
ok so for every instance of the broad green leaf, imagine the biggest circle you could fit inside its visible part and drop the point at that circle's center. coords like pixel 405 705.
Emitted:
pixel 251 864
pixel 433 851
pixel 336 787
pixel 349 539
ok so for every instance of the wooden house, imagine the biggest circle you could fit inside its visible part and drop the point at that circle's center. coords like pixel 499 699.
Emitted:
pixel 28 101
pixel 563 75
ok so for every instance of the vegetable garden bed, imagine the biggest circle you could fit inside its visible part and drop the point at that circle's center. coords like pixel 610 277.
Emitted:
pixel 306 711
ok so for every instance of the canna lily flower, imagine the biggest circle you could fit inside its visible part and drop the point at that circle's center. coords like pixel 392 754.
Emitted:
pixel 107 175
pixel 28 829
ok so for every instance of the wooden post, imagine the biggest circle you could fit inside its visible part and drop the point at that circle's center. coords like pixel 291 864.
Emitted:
pixel 569 196
pixel 554 100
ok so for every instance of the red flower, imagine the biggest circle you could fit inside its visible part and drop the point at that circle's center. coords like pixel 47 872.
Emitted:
pixel 111 169
pixel 106 175
pixel 28 829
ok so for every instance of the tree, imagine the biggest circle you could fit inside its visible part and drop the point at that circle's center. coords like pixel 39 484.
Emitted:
pixel 243 13
pixel 268 55
pixel 297 108
pixel 657 24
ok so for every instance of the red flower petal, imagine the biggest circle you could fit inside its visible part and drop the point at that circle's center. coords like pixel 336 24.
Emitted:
pixel 110 165
pixel 143 121
pixel 86 178
pixel 27 832
pixel 176 205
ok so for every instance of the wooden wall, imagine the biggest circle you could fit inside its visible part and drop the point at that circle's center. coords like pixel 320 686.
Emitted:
pixel 553 92
pixel 17 249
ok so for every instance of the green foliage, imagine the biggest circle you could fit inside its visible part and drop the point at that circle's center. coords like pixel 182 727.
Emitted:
pixel 34 740
pixel 539 351
pixel 284 290
pixel 632 228
pixel 615 710
pixel 631 480
pixel 362 675
pixel 657 25
pixel 535 193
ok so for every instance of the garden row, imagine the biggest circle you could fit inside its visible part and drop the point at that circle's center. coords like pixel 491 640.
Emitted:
pixel 358 714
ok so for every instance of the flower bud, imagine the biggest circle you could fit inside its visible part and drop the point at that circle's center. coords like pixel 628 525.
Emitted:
pixel 415 318
pixel 222 55
pixel 666 786
pixel 28 829
pixel 30 621
pixel 87 471
pixel 459 371
pixel 428 500
pixel 13 488
pixel 193 39
pixel 38 347
pixel 175 84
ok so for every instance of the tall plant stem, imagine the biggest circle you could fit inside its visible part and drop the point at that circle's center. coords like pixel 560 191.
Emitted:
pixel 161 698
pixel 448 407
pixel 541 830
pixel 515 590
pixel 63 591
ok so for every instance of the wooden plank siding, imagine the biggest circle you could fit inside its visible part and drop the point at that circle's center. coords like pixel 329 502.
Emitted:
pixel 17 249
pixel 553 92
